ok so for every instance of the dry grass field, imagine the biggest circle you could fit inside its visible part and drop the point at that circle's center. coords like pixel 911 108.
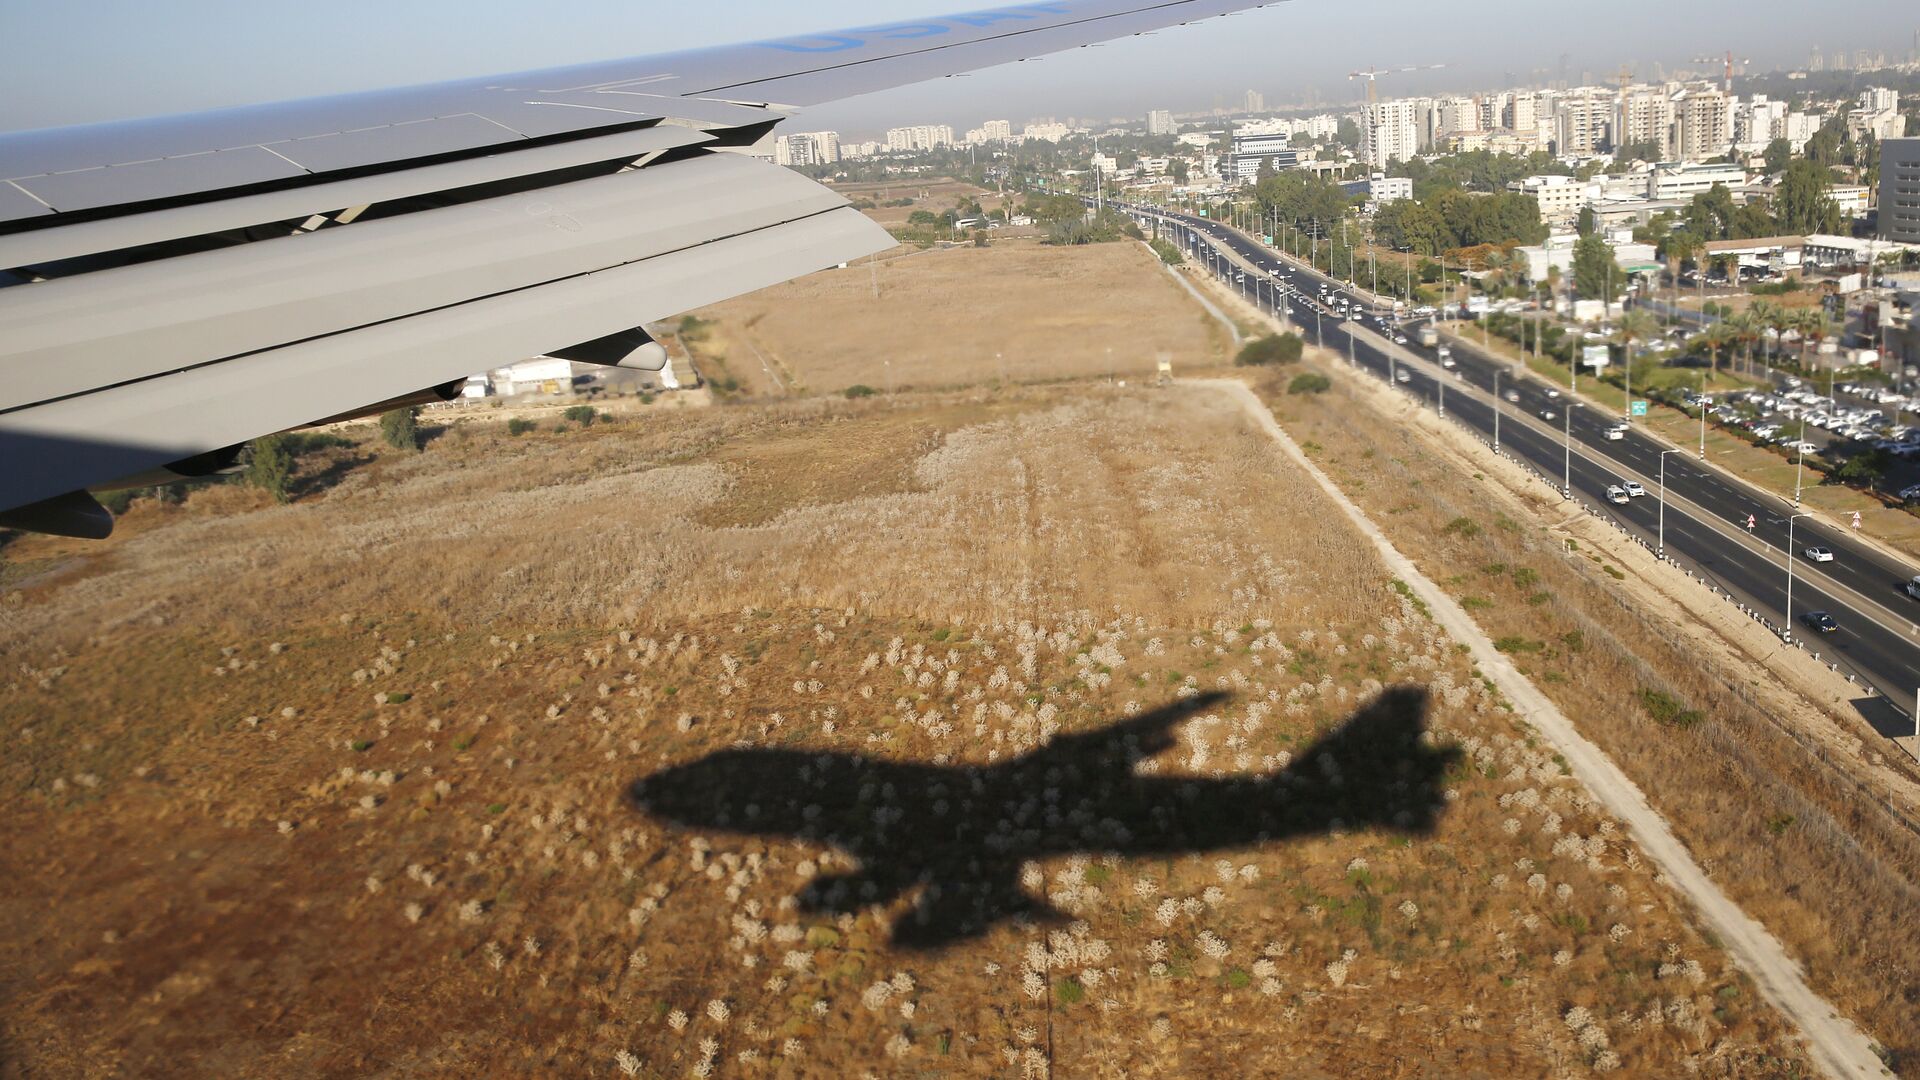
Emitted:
pixel 1018 311
pixel 1805 842
pixel 778 740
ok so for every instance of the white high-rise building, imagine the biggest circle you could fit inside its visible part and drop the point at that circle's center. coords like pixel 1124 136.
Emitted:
pixel 1388 133
pixel 1049 132
pixel 1160 122
pixel 1256 101
pixel 998 130
pixel 1703 124
pixel 921 137
pixel 1451 114
pixel 1645 115
pixel 1580 122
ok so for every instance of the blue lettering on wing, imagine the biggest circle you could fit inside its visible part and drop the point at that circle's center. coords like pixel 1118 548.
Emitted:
pixel 826 43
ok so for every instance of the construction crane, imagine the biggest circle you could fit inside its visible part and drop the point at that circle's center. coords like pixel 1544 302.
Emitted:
pixel 1373 93
pixel 1728 60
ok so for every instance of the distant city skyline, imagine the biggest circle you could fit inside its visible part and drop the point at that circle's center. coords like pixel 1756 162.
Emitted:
pixel 115 59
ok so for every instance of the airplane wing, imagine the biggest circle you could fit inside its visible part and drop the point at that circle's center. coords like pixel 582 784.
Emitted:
pixel 172 288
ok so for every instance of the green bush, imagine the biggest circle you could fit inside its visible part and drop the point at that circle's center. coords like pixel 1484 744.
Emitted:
pixel 1271 349
pixel 1667 710
pixel 270 466
pixel 520 426
pixel 1309 383
pixel 579 414
pixel 858 390
pixel 1169 252
pixel 401 428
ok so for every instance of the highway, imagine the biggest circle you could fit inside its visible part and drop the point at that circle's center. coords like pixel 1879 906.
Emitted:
pixel 1706 511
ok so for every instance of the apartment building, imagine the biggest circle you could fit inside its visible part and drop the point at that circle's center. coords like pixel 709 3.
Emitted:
pixel 1388 133
pixel 1582 122
pixel 1703 124
pixel 1900 190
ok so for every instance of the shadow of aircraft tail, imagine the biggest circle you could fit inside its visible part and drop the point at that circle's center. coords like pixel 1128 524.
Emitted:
pixel 960 835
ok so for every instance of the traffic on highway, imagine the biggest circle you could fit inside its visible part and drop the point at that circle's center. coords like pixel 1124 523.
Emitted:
pixel 1744 542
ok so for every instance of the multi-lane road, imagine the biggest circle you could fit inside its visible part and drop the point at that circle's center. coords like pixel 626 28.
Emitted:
pixel 1706 511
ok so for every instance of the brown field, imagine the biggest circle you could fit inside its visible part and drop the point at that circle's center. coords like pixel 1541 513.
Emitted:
pixel 932 195
pixel 950 317
pixel 343 787
pixel 1807 841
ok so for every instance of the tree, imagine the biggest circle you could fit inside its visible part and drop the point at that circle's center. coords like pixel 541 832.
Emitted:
pixel 1595 274
pixel 1865 467
pixel 270 466
pixel 1634 327
pixel 1309 382
pixel 1586 223
pixel 1779 156
pixel 1801 204
pixel 1271 349
pixel 401 429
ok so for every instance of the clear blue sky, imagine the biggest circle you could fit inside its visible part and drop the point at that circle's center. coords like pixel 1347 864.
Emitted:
pixel 74 61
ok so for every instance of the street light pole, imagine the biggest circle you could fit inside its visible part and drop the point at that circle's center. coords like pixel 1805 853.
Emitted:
pixel 1496 410
pixel 1566 490
pixel 1787 630
pixel 1661 548
pixel 1800 464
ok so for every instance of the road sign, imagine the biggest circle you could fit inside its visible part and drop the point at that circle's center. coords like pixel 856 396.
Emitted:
pixel 1639 408
pixel 1856 519
pixel 1750 523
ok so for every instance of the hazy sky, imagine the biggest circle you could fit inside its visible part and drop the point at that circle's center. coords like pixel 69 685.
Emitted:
pixel 75 61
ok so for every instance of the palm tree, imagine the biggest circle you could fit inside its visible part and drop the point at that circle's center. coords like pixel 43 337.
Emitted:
pixel 1717 337
pixel 1634 326
pixel 1745 329
pixel 1766 316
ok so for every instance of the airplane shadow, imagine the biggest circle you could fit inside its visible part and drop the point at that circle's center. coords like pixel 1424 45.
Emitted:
pixel 959 835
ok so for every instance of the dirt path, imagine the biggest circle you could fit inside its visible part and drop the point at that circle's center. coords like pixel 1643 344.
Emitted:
pixel 1835 1043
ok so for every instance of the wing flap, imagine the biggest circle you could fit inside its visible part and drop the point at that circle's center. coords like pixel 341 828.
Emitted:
pixel 65 445
pixel 200 219
pixel 70 335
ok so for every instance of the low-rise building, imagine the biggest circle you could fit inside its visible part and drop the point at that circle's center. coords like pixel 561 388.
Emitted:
pixel 1680 180
pixel 1560 197
pixel 1769 252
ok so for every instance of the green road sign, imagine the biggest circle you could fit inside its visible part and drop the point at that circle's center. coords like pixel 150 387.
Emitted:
pixel 1639 408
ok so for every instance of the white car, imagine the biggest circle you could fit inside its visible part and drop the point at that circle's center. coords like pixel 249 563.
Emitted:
pixel 1615 434
pixel 1403 376
pixel 1399 339
pixel 1554 394
pixel 1633 488
pixel 1549 414
pixel 1449 363
pixel 1616 494
pixel 1512 396
pixel 1820 554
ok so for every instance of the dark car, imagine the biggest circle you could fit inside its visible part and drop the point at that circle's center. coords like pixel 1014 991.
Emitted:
pixel 1821 621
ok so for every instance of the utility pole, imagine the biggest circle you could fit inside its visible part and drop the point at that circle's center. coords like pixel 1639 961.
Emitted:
pixel 1800 461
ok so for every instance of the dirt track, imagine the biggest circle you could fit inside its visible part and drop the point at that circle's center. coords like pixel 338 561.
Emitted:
pixel 1840 1047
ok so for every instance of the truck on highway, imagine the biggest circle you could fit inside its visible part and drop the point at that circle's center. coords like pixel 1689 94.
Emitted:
pixel 1429 337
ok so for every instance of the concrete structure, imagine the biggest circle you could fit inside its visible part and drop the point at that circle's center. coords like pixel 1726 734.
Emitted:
pixel 1160 122
pixel 1676 180
pixel 1703 124
pixel 1388 133
pixel 919 137
pixel 1250 152
pixel 1900 190
pixel 1581 123
pixel 1876 116
pixel 1645 115
pixel 1847 251
pixel 1769 252
pixel 1560 197
pixel 1048 132
pixel 1256 102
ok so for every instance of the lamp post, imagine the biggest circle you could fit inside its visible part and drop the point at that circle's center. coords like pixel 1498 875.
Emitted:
pixel 1787 630
pixel 1496 410
pixel 1800 460
pixel 1566 491
pixel 1703 415
pixel 1661 548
